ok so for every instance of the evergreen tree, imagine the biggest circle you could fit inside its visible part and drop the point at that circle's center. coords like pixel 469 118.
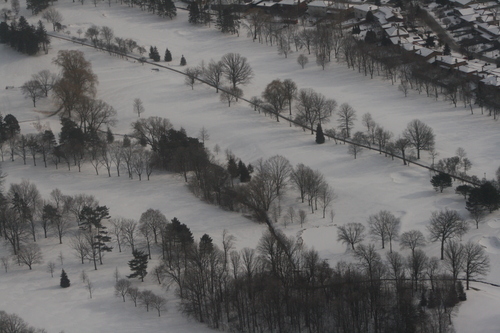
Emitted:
pixel 169 9
pixel 243 171
pixel 183 61
pixel 138 265
pixel 4 32
pixel 232 168
pixel 194 13
pixel 446 49
pixel 151 52
pixel 441 181
pixel 168 56
pixel 110 137
pixel 65 283
pixel 126 141
pixel 320 137
pixel 154 54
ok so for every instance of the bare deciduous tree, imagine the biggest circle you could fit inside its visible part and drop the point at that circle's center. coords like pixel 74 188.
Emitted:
pixel 345 118
pixel 236 69
pixel 419 135
pixel 32 90
pixel 30 254
pixel 445 225
pixel 411 240
pixel 476 261
pixel 213 73
pixel 351 233
pixel 121 288
pixel 138 107
pixel 53 16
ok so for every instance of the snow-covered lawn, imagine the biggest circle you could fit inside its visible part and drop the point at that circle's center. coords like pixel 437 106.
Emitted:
pixel 364 186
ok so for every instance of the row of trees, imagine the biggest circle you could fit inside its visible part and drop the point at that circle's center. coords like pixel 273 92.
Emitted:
pixel 145 298
pixel 446 227
pixel 104 38
pixel 23 37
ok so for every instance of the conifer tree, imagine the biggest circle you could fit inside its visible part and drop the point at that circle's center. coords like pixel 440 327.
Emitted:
pixel 446 50
pixel 320 137
pixel 183 61
pixel 138 265
pixel 194 13
pixel 65 283
pixel 168 56
pixel 243 171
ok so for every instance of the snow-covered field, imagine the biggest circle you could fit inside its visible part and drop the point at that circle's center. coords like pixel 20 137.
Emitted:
pixel 364 186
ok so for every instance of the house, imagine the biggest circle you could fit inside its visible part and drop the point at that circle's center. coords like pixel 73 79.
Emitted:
pixel 462 3
pixel 449 62
pixel 360 11
pixel 396 31
pixel 427 53
pixel 318 8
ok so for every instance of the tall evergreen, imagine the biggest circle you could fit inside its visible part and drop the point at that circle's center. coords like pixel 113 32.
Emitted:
pixel 169 8
pixel 446 49
pixel 194 13
pixel 168 56
pixel 320 137
pixel 183 61
pixel 138 265
pixel 243 172
pixel 64 283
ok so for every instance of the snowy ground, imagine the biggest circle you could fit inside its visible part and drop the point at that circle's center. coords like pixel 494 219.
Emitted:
pixel 364 186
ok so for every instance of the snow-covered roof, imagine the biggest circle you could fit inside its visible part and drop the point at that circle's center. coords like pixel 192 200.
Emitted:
pixel 466 11
pixel 365 8
pixel 319 3
pixel 491 29
pixel 466 69
pixel 424 52
pixel 411 47
pixel 491 80
pixel 469 18
pixel 266 4
pixel 288 2
pixel 396 31
pixel 463 2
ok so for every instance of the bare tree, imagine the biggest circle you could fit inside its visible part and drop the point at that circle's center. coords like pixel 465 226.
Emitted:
pixel 30 254
pixel 445 225
pixel 277 169
pixel 80 246
pixel 32 90
pixel 345 118
pixel 236 69
pixel 313 108
pixel 53 16
pixel 133 293
pixel 51 266
pixel 203 135
pixel 290 90
pixel 475 261
pixel 419 135
pixel 351 234
pixel 411 240
pixel 107 35
pixel 121 288
pixel 230 94
pixel 90 287
pixel 46 81
pixel 5 263
pixel 213 73
pixel 453 258
pixel 302 60
pixel 26 199
pixel 159 303
pixel 146 298
pixel 384 226
pixel 192 75
pixel 275 96
pixel 326 196
pixel 302 217
pixel 138 107
pixel 130 233
pixel 417 263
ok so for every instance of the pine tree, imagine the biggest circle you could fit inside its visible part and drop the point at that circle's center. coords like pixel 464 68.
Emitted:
pixel 446 50
pixel 441 181
pixel 138 265
pixel 183 61
pixel 168 56
pixel 243 171
pixel 320 137
pixel 65 283
pixel 170 9
pixel 110 137
pixel 155 54
pixel 194 13
pixel 232 169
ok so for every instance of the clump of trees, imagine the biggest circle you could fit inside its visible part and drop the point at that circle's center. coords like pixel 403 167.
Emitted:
pixel 17 324
pixel 23 37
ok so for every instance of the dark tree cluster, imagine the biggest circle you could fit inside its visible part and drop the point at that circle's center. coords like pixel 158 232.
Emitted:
pixel 23 37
